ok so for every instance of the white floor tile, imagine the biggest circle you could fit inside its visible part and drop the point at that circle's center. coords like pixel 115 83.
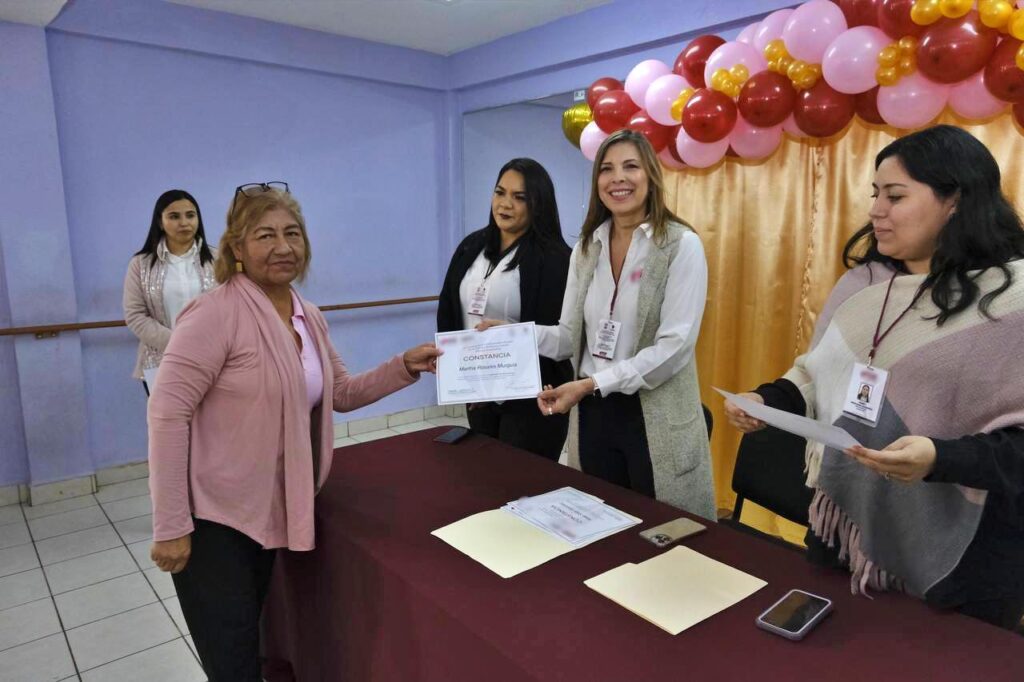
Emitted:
pixel 66 522
pixel 374 435
pixel 140 550
pixel 11 514
pixel 170 662
pixel 73 545
pixel 121 635
pixel 28 622
pixel 44 660
pixel 135 530
pixel 161 582
pixel 105 599
pixel 13 534
pixel 174 608
pixel 21 588
pixel 59 507
pixel 120 491
pixel 89 570
pixel 128 508
pixel 17 559
pixel 415 426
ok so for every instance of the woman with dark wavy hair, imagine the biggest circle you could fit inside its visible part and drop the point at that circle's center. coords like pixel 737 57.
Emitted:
pixel 931 316
pixel 521 260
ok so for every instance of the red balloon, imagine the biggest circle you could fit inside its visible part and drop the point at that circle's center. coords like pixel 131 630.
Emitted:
pixel 1018 113
pixel 822 111
pixel 894 19
pixel 866 106
pixel 953 49
pixel 1002 77
pixel 658 135
pixel 691 61
pixel 859 12
pixel 613 110
pixel 601 86
pixel 709 115
pixel 766 99
pixel 671 147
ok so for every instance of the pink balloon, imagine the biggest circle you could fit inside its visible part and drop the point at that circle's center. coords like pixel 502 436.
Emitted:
pixel 971 99
pixel 811 28
pixel 641 77
pixel 771 28
pixel 590 139
pixel 662 93
pixel 747 34
pixel 851 60
pixel 729 55
pixel 912 102
pixel 790 126
pixel 751 142
pixel 669 161
pixel 700 154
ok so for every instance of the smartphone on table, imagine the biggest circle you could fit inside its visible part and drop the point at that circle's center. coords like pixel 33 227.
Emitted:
pixel 795 614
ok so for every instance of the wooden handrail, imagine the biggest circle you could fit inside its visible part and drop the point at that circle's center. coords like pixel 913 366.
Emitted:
pixel 51 330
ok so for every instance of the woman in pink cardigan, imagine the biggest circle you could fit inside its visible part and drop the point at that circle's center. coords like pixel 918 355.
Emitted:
pixel 240 428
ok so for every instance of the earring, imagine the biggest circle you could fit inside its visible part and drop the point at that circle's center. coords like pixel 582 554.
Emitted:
pixel 239 267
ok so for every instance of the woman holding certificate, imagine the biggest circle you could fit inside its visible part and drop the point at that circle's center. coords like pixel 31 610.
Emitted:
pixel 917 355
pixel 630 317
pixel 514 269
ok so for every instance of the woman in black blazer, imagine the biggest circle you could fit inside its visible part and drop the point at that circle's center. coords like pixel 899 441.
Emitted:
pixel 522 261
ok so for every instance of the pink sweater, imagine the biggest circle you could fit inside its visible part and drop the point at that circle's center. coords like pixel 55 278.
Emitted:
pixel 231 438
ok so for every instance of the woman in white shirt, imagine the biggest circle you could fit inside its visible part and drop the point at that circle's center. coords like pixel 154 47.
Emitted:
pixel 629 321
pixel 514 268
pixel 174 266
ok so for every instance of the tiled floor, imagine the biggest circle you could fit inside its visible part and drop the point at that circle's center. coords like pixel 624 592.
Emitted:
pixel 79 597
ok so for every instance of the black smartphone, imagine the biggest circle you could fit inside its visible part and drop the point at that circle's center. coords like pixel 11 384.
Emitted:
pixel 453 435
pixel 795 615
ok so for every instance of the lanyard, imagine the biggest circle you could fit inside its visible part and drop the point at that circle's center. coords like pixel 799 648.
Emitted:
pixel 877 339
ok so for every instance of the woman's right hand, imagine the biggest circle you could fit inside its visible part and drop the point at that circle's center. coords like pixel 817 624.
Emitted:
pixel 487 324
pixel 172 555
pixel 740 419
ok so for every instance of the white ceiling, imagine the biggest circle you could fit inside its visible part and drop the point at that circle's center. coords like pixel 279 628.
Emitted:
pixel 439 26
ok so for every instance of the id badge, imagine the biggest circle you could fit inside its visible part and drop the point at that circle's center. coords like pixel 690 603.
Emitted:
pixel 478 301
pixel 607 337
pixel 865 393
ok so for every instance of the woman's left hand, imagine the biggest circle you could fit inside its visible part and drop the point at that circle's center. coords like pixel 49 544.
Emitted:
pixel 562 399
pixel 422 358
pixel 906 459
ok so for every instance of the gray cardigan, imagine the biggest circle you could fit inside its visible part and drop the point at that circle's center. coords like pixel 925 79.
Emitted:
pixel 676 433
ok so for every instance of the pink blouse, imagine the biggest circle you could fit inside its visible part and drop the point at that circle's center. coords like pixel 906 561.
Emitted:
pixel 310 360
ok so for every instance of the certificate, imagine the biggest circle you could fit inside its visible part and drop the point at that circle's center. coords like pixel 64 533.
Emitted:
pixel 829 434
pixel 500 363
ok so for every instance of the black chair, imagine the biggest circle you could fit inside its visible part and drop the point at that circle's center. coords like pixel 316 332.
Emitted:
pixel 769 471
pixel 709 421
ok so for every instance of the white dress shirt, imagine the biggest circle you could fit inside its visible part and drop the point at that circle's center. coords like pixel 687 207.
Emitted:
pixel 503 301
pixel 681 312
pixel 181 283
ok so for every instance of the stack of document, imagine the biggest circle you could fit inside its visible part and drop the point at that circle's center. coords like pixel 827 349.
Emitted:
pixel 571 515
pixel 529 532
pixel 677 589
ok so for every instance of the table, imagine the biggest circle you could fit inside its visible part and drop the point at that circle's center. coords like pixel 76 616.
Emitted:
pixel 382 599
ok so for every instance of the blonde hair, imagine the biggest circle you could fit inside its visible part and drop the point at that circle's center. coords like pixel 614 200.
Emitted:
pixel 658 214
pixel 243 215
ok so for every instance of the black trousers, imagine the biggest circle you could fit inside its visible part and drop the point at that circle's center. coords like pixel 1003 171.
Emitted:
pixel 613 441
pixel 520 423
pixel 221 592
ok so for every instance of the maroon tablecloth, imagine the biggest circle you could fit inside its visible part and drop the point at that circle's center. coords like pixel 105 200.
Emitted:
pixel 382 599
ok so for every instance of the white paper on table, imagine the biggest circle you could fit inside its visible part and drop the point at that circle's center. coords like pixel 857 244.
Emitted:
pixel 500 363
pixel 572 515
pixel 829 434
pixel 677 589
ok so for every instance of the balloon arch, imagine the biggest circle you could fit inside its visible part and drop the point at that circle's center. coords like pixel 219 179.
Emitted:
pixel 808 71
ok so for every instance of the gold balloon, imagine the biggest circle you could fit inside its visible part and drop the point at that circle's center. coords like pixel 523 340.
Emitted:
pixel 796 70
pixel 907 44
pixel 1020 57
pixel 680 103
pixel 925 12
pixel 774 50
pixel 1016 24
pixel 574 120
pixel 995 13
pixel 954 9
pixel 887 75
pixel 907 65
pixel 889 56
pixel 784 63
pixel 739 73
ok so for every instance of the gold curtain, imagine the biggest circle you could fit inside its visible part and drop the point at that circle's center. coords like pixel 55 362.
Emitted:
pixel 773 233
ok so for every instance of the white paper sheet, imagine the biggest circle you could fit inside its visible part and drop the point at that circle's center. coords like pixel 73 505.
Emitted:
pixel 500 363
pixel 829 434
pixel 572 515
